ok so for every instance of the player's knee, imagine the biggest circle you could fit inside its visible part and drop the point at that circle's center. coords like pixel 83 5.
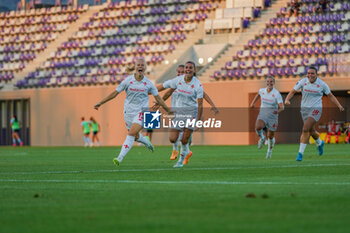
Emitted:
pixel 306 130
pixel 184 141
pixel 133 134
pixel 172 139
pixel 258 127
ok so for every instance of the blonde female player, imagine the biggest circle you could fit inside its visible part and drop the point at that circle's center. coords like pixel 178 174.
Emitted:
pixel 189 104
pixel 271 106
pixel 312 90
pixel 137 86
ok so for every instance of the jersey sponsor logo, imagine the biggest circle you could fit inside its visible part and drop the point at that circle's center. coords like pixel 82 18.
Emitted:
pixel 151 120
pixel 311 91
pixel 137 89
pixel 186 92
pixel 268 100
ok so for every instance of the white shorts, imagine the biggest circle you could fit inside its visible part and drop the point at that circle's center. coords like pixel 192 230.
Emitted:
pixel 133 118
pixel 311 112
pixel 271 121
pixel 181 120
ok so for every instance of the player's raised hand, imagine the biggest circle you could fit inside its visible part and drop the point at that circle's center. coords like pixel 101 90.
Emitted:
pixel 155 107
pixel 97 106
pixel 215 110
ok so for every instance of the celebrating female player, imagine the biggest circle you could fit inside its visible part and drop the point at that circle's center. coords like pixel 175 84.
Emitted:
pixel 189 105
pixel 312 90
pixel 271 106
pixel 137 86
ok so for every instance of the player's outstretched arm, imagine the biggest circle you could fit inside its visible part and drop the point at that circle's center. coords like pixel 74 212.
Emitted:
pixel 209 101
pixel 200 108
pixel 168 94
pixel 280 108
pixel 165 97
pixel 161 102
pixel 257 96
pixel 160 87
pixel 106 99
pixel 289 97
pixel 335 101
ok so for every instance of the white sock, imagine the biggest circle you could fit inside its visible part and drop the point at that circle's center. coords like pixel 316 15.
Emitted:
pixel 318 141
pixel 270 145
pixel 302 148
pixel 129 141
pixel 89 141
pixel 273 141
pixel 176 146
pixel 260 133
pixel 143 140
pixel 99 143
pixel 180 136
pixel 84 139
pixel 185 149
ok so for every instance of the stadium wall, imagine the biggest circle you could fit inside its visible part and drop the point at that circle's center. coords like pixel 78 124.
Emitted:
pixel 55 112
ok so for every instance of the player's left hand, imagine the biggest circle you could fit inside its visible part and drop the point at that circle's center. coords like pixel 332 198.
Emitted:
pixel 97 106
pixel 215 110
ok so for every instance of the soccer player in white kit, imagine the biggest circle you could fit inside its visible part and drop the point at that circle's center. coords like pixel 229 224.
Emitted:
pixel 189 102
pixel 173 93
pixel 137 86
pixel 312 90
pixel 271 106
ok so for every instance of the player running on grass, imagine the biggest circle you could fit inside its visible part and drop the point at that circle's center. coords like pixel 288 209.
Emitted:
pixel 312 90
pixel 174 95
pixel 85 126
pixel 189 105
pixel 137 86
pixel 15 125
pixel 271 106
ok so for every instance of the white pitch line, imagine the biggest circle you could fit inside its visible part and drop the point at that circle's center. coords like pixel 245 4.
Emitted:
pixel 175 182
pixel 168 169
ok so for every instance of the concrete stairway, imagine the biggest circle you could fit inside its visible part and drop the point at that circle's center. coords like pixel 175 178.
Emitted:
pixel 191 39
pixel 242 39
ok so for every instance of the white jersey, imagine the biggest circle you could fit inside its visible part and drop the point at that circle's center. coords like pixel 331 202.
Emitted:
pixel 270 99
pixel 187 93
pixel 174 99
pixel 136 99
pixel 312 92
pixel 173 95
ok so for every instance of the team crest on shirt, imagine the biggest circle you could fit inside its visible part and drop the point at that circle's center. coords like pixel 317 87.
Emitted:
pixel 192 86
pixel 318 85
pixel 145 83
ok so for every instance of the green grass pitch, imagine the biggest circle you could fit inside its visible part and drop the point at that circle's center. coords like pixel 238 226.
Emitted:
pixel 73 189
